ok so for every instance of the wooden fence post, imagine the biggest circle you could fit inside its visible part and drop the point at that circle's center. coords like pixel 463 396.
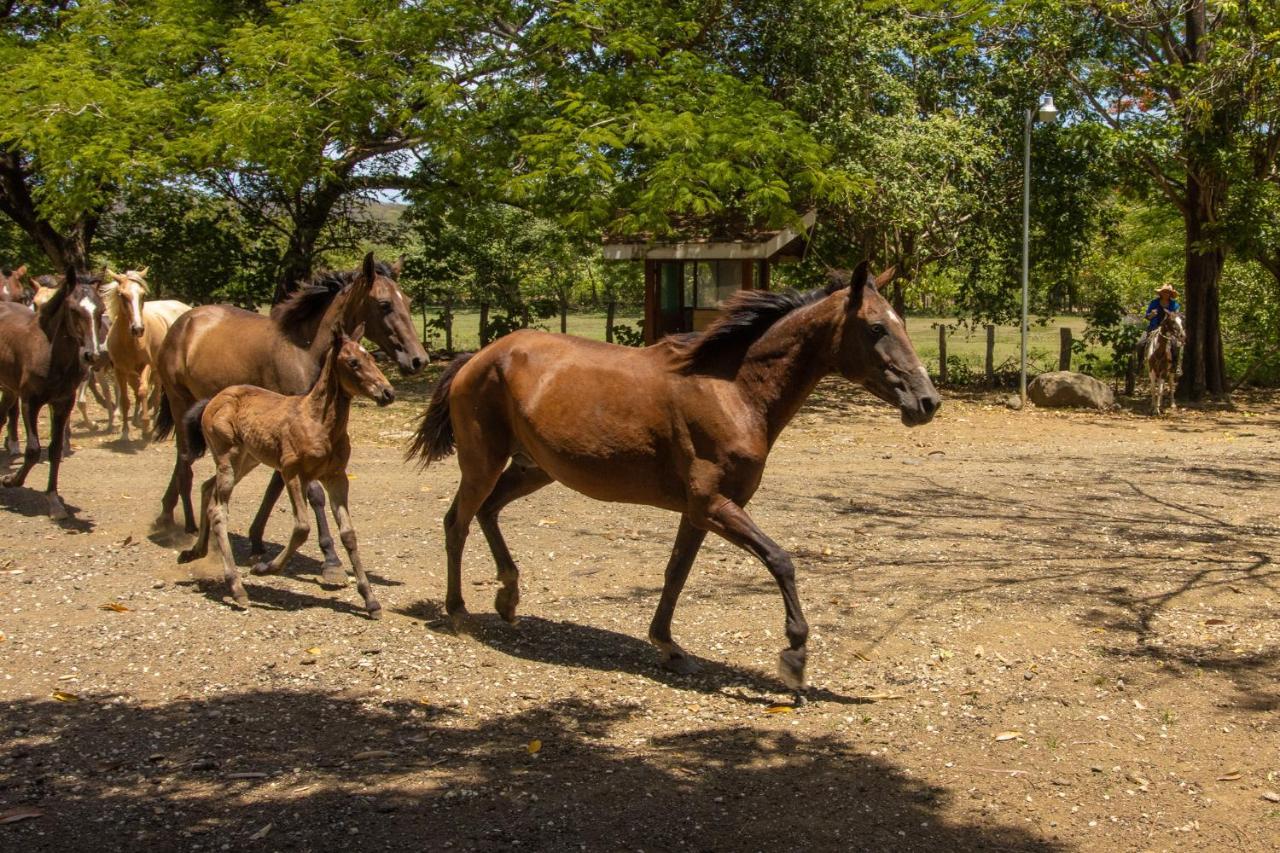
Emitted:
pixel 448 324
pixel 608 321
pixel 991 354
pixel 484 323
pixel 942 354
pixel 1064 350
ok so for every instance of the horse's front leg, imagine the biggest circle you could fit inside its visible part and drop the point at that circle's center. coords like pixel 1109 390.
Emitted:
pixel 732 522
pixel 9 410
pixel 60 418
pixel 688 541
pixel 31 457
pixel 337 486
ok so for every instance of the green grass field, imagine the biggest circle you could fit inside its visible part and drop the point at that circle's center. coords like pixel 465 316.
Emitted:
pixel 962 342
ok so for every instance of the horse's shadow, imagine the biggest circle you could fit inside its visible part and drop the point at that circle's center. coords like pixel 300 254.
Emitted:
pixel 24 500
pixel 129 447
pixel 271 598
pixel 582 646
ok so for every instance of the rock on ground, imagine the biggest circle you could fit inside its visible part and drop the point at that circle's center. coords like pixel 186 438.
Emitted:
pixel 1065 388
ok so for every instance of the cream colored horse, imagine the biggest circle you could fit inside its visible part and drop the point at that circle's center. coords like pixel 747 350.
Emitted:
pixel 138 328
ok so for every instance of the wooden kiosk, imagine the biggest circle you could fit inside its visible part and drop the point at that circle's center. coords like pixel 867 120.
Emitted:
pixel 686 281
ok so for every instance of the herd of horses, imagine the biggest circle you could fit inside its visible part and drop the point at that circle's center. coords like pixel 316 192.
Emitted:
pixel 684 425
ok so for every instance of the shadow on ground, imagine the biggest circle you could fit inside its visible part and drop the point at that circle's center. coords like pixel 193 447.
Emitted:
pixel 303 770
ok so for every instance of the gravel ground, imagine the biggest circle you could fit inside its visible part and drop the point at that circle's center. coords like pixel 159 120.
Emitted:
pixel 1031 631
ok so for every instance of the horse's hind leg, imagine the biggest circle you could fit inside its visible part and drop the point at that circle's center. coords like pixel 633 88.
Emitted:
pixel 516 482
pixel 224 482
pixel 688 541
pixel 30 419
pixel 257 549
pixel 331 574
pixel 201 546
pixel 479 475
pixel 9 413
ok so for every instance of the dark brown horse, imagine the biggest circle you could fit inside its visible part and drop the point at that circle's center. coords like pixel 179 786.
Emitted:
pixel 216 346
pixel 11 287
pixel 44 357
pixel 684 425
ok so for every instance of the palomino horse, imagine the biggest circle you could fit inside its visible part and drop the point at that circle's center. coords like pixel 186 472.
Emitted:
pixel 11 287
pixel 138 329
pixel 1169 337
pixel 93 382
pixel 44 356
pixel 216 346
pixel 304 438
pixel 684 425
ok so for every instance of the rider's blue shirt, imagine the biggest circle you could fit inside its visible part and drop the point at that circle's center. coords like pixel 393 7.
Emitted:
pixel 1154 322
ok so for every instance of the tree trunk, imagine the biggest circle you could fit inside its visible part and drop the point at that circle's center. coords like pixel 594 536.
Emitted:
pixel 484 324
pixel 608 321
pixel 1203 369
pixel 298 262
pixel 564 314
pixel 62 248
pixel 900 299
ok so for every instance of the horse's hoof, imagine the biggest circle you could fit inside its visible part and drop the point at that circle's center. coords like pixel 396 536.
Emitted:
pixel 333 576
pixel 681 665
pixel 791 668
pixel 186 556
pixel 262 567
pixel 57 511
pixel 505 603
pixel 9 481
pixel 240 602
pixel 458 619
pixel 374 610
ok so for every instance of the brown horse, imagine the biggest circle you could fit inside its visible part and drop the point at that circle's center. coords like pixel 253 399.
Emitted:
pixel 1162 358
pixel 44 356
pixel 216 346
pixel 138 328
pixel 684 425
pixel 304 438
pixel 11 287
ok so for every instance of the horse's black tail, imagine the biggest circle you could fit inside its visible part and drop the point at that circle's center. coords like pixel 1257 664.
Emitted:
pixel 196 445
pixel 435 435
pixel 163 427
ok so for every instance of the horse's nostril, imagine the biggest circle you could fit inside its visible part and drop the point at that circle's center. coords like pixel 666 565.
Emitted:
pixel 930 404
pixel 415 363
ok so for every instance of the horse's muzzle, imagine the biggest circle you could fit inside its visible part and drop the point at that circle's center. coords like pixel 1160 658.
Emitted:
pixel 136 331
pixel 923 411
pixel 385 397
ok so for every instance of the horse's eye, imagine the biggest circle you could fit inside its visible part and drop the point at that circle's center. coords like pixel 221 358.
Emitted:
pixel 879 330
pixel 353 363
pixel 385 306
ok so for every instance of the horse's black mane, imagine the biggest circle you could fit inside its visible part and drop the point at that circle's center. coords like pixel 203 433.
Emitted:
pixel 312 299
pixel 746 316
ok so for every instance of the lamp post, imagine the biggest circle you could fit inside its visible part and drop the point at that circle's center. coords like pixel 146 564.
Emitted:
pixel 1047 113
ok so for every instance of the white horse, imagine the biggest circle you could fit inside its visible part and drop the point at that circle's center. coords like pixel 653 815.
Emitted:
pixel 1169 336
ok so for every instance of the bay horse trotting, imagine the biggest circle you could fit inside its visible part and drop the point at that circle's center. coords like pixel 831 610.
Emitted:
pixel 216 346
pixel 304 438
pixel 684 425
pixel 1162 359
pixel 44 356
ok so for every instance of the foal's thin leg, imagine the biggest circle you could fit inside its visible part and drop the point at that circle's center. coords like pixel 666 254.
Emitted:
pixel 332 574
pixel 337 487
pixel 732 522
pixel 516 482
pixel 224 483
pixel 688 541
pixel 122 386
pixel 299 535
pixel 60 416
pixel 9 412
pixel 30 419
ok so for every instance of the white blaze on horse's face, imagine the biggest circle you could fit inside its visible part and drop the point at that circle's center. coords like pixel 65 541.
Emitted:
pixel 90 346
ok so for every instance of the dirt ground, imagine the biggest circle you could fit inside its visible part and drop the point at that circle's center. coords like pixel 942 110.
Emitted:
pixel 1031 631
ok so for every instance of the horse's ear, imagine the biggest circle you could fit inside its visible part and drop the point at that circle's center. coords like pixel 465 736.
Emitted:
pixel 370 270
pixel 857 284
pixel 143 272
pixel 885 277
pixel 357 334
pixel 59 294
pixel 20 271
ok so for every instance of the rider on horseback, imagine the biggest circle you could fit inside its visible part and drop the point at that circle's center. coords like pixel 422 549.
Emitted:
pixel 1166 300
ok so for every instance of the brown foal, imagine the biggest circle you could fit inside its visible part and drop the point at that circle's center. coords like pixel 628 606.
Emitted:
pixel 304 438
pixel 684 425
pixel 216 346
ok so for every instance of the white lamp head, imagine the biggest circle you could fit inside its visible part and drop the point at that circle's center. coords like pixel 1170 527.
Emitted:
pixel 1047 112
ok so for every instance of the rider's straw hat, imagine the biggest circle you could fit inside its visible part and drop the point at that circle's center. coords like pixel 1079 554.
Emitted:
pixel 1167 288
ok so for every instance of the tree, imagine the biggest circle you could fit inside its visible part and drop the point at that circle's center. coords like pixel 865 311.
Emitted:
pixel 1176 83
